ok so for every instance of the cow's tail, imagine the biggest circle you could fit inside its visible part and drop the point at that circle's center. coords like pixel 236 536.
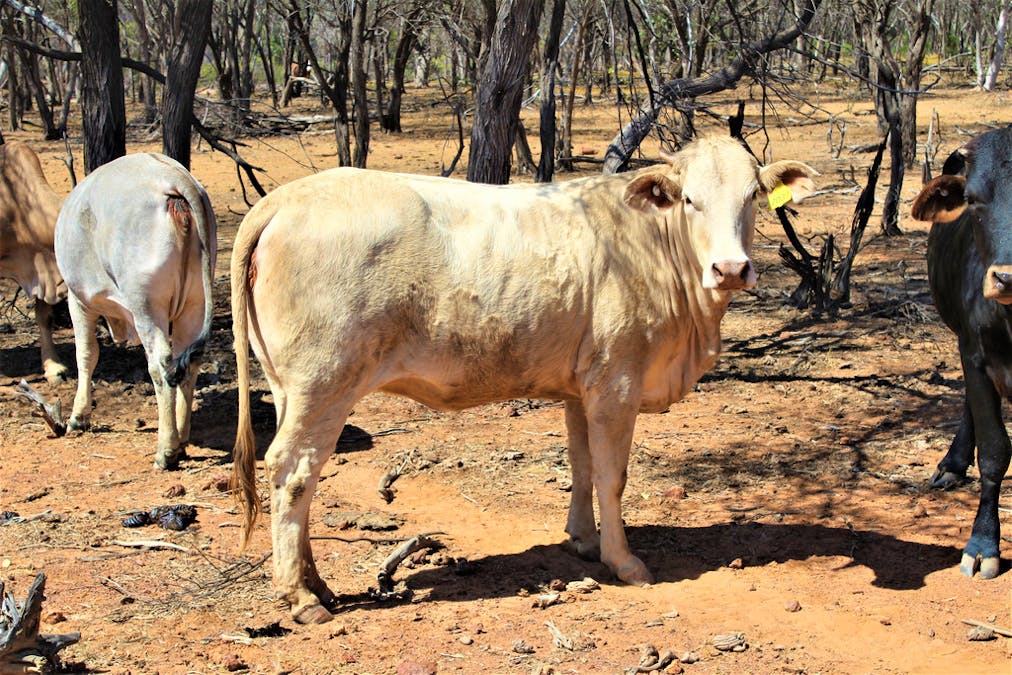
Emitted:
pixel 243 272
pixel 195 206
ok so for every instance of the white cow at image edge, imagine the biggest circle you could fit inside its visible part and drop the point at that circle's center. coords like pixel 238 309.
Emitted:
pixel 136 243
pixel 605 292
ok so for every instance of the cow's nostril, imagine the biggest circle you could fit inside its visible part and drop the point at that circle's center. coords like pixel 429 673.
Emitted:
pixel 718 274
pixel 743 274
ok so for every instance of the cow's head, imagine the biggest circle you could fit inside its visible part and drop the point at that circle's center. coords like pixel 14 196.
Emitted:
pixel 977 181
pixel 715 183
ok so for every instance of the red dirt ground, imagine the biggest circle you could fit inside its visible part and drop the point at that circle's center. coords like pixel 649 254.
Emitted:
pixel 794 478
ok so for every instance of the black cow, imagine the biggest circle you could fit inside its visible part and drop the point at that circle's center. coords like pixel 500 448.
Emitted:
pixel 970 273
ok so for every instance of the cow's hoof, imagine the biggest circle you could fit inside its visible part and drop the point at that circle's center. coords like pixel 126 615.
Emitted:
pixel 987 567
pixel 943 479
pixel 57 375
pixel 584 549
pixel 635 573
pixel 78 424
pixel 166 462
pixel 312 614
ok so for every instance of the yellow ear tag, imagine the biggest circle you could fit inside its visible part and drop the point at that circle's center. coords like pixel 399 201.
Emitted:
pixel 779 196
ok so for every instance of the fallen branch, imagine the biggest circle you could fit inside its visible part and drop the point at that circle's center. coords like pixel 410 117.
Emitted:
pixel 385 577
pixel 22 649
pixel 150 543
pixel 52 413
pixel 387 480
pixel 1004 632
pixel 560 639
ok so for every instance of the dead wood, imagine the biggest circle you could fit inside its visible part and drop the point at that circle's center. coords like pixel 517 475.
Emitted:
pixel 22 649
pixel 51 413
pixel 560 639
pixel 387 480
pixel 385 577
pixel 150 543
pixel 997 630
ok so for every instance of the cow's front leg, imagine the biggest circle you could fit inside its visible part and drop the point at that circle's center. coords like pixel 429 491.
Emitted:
pixel 86 344
pixel 993 454
pixel 951 470
pixel 609 431
pixel 583 537
pixel 293 463
pixel 55 371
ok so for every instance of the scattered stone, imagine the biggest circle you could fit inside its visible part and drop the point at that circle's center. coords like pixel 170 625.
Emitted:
pixel 673 614
pixel 174 490
pixel 736 564
pixel 338 630
pixel 375 522
pixel 732 642
pixel 216 483
pixel 585 585
pixel 689 658
pixel 478 628
pixel 557 585
pixel 234 664
pixel 466 640
pixel 919 511
pixel 416 668
pixel 546 600
pixel 463 567
pixel 676 492
pixel 520 646
pixel 792 606
pixel 885 621
pixel 980 634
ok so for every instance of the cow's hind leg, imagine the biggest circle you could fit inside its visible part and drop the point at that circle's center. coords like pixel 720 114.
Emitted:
pixel 86 344
pixel 306 437
pixel 584 539
pixel 951 470
pixel 55 371
pixel 154 338
pixel 993 454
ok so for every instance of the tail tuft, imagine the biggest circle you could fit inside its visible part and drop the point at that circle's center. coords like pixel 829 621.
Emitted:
pixel 178 367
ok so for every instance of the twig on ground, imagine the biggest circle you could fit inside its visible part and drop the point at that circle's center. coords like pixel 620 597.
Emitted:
pixel 387 480
pixel 385 577
pixel 52 413
pixel 1005 632
pixel 559 639
pixel 150 543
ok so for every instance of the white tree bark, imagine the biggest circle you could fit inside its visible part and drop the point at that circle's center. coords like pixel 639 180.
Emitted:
pixel 999 47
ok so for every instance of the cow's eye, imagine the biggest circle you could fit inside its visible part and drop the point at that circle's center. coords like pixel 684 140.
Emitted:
pixel 688 202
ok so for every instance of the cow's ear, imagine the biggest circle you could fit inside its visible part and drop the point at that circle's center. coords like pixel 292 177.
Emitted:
pixel 941 200
pixel 652 193
pixel 795 175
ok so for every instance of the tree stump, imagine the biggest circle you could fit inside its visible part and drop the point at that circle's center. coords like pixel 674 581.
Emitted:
pixel 22 649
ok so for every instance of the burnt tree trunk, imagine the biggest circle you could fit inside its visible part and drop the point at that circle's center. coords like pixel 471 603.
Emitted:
pixel 103 110
pixel 192 23
pixel 500 91
pixel 550 65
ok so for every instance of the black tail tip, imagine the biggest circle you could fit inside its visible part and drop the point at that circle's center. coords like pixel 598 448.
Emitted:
pixel 178 367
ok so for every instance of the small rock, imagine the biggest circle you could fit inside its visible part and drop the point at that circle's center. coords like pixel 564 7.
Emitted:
pixel 736 564
pixel 56 617
pixel 674 668
pixel 174 490
pixel 233 663
pixel 557 585
pixel 919 511
pixel 478 628
pixel 673 614
pixel 885 621
pixel 546 600
pixel 586 585
pixel 792 606
pixel 338 630
pixel 980 634
pixel 466 640
pixel 689 657
pixel 676 492
pixel 520 646
pixel 732 642
pixel 217 483
pixel 416 668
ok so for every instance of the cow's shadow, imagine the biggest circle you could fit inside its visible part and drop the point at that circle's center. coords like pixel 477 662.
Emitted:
pixel 678 554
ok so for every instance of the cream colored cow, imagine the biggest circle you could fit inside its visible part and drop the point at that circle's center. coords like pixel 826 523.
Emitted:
pixel 136 242
pixel 606 292
pixel 28 211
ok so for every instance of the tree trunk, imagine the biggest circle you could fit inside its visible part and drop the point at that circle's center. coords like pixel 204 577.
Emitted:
pixel 103 110
pixel 144 46
pixel 574 76
pixel 919 30
pixel 192 23
pixel 500 90
pixel 1001 30
pixel 550 64
pixel 358 78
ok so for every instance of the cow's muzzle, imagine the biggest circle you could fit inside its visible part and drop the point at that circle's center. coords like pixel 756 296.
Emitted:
pixel 732 275
pixel 998 283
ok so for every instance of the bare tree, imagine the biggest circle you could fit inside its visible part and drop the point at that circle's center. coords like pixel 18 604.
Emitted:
pixel 500 91
pixel 998 53
pixel 103 109
pixel 190 28
pixel 358 78
pixel 549 66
